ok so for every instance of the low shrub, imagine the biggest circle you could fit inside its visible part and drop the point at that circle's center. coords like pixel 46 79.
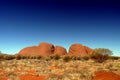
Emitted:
pixel 33 57
pixel 39 57
pixel 9 57
pixel 67 58
pixel 86 57
pixel 98 57
pixel 18 57
pixel 56 57
pixel 1 57
pixel 114 57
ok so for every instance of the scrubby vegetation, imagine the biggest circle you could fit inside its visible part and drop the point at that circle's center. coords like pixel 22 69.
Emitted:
pixel 98 55
pixel 57 67
pixel 103 51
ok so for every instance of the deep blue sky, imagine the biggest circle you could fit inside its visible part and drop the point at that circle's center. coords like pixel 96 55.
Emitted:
pixel 62 22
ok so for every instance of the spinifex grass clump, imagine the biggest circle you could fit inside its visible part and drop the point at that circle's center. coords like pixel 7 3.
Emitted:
pixel 67 58
pixel 46 58
pixel 24 57
pixel 73 57
pixel 56 57
pixel 33 57
pixel 6 57
pixel 2 57
pixel 114 57
pixel 85 57
pixel 78 58
pixel 9 57
pixel 39 57
pixel 18 57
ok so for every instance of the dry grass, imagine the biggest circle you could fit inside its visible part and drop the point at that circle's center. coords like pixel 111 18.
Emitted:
pixel 57 67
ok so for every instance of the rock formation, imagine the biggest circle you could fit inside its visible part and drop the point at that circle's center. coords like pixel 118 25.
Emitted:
pixel 48 49
pixel 42 49
pixel 60 50
pixel 78 49
pixel 88 50
pixel 103 75
pixel 29 51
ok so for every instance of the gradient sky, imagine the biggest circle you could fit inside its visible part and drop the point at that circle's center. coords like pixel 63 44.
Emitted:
pixel 62 22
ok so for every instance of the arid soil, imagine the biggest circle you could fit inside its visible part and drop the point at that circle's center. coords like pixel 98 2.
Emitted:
pixel 41 69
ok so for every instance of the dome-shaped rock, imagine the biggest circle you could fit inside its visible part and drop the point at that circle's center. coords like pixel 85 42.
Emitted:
pixel 43 49
pixel 46 48
pixel 88 50
pixel 60 50
pixel 78 49
pixel 30 51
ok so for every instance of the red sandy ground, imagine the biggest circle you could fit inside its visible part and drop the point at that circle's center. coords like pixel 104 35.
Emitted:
pixel 36 73
pixel 31 77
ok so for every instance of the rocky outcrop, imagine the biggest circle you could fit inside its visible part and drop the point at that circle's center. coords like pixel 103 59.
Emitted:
pixel 60 50
pixel 43 49
pixel 48 49
pixel 29 51
pixel 88 50
pixel 103 75
pixel 79 49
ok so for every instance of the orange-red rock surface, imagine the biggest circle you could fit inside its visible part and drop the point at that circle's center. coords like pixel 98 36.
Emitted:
pixel 79 49
pixel 88 50
pixel 60 50
pixel 103 75
pixel 42 49
pixel 48 49
pixel 34 50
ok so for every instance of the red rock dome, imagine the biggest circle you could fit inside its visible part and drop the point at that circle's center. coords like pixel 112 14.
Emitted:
pixel 60 50
pixel 42 49
pixel 48 49
pixel 29 51
pixel 79 49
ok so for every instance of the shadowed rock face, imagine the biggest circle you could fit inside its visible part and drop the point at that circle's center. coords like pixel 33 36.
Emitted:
pixel 103 75
pixel 60 50
pixel 78 49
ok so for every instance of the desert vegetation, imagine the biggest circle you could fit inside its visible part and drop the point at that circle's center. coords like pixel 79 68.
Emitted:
pixel 57 67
